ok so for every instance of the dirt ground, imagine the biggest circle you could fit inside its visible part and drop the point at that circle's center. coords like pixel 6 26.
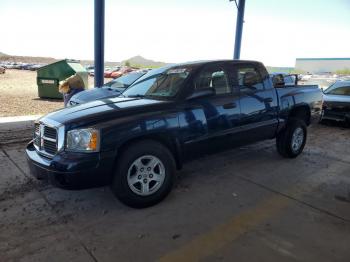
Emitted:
pixel 19 94
pixel 244 204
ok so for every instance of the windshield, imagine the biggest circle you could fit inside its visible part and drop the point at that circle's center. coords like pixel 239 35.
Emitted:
pixel 160 83
pixel 125 81
pixel 339 89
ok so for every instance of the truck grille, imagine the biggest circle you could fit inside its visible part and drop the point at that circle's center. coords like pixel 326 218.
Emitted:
pixel 50 147
pixel 37 128
pixel 337 107
pixel 45 139
pixel 50 132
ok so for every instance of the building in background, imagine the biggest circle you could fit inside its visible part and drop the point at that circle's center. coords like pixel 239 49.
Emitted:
pixel 321 65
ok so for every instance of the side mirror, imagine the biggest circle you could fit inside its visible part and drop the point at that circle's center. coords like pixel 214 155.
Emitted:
pixel 278 81
pixel 203 92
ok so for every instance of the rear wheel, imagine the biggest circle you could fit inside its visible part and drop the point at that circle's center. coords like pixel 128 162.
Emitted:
pixel 291 141
pixel 144 175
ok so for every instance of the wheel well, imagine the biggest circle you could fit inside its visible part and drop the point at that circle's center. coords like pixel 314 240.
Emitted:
pixel 164 139
pixel 301 112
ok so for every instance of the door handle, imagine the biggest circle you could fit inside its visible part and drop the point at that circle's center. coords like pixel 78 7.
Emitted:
pixel 229 105
pixel 268 100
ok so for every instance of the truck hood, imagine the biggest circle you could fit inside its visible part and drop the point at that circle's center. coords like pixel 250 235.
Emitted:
pixel 94 94
pixel 101 110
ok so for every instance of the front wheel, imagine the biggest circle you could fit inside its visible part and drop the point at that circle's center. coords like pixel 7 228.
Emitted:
pixel 291 141
pixel 144 175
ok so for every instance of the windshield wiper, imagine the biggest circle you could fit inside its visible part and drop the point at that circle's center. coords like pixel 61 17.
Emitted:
pixel 137 96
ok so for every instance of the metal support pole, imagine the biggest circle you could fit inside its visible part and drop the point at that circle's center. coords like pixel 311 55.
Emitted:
pixel 239 29
pixel 99 42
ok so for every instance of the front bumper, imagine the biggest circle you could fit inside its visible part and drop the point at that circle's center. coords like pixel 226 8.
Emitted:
pixel 72 170
pixel 335 116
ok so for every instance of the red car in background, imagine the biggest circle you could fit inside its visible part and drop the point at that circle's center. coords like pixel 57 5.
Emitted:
pixel 107 73
pixel 121 72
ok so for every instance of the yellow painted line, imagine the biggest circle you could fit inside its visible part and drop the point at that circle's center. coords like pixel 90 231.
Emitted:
pixel 218 237
pixel 222 235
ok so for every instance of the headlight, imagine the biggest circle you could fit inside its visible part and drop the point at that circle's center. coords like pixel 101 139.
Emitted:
pixel 83 140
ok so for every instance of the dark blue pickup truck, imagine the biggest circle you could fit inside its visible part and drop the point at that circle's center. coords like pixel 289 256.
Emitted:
pixel 136 141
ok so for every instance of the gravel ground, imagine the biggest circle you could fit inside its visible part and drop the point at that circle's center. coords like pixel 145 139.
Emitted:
pixel 19 95
pixel 243 204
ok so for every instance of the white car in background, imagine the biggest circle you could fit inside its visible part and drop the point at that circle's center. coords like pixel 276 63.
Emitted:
pixel 283 79
pixel 305 77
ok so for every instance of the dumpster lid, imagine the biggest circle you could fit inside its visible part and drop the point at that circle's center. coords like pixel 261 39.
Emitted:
pixel 68 61
pixel 77 67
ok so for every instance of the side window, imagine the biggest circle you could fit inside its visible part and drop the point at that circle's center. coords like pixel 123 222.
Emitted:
pixel 213 77
pixel 249 79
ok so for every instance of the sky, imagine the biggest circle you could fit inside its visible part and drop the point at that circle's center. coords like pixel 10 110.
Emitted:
pixel 275 31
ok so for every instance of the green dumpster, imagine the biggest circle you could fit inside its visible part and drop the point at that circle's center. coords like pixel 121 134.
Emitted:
pixel 49 76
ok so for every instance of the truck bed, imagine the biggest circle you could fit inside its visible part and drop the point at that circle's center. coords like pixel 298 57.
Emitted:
pixel 300 95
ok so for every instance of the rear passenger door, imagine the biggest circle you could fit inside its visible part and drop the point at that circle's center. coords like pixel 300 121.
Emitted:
pixel 258 102
pixel 214 117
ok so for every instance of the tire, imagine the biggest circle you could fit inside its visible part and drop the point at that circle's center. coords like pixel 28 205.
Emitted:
pixel 138 185
pixel 291 141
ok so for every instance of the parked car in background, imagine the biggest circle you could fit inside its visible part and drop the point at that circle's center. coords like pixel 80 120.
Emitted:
pixel 136 141
pixel 283 79
pixel 17 66
pixel 11 65
pixel 35 67
pixel 345 78
pixel 108 73
pixel 22 66
pixel 110 89
pixel 122 71
pixel 2 70
pixel 26 66
pixel 336 104
pixel 305 77
pixel 90 69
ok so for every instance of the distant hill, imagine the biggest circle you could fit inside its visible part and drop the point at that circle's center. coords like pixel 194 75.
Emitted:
pixel 27 59
pixel 44 60
pixel 139 61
